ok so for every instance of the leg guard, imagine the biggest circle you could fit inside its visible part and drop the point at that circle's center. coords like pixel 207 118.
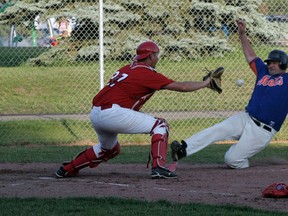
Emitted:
pixel 107 154
pixel 159 150
pixel 83 159
pixel 88 158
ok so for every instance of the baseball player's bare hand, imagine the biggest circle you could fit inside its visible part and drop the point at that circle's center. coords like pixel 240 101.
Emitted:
pixel 241 26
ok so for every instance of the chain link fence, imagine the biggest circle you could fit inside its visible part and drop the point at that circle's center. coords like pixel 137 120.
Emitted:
pixel 50 71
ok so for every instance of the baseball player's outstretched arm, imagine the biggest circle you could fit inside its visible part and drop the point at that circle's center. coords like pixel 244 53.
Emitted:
pixel 187 86
pixel 245 42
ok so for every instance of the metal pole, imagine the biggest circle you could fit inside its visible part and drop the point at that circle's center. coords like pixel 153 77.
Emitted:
pixel 101 46
pixel 12 34
pixel 50 28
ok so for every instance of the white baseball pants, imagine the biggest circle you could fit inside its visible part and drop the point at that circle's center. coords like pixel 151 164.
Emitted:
pixel 108 123
pixel 251 139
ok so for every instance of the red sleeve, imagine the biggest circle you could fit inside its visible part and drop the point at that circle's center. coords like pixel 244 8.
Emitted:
pixel 154 80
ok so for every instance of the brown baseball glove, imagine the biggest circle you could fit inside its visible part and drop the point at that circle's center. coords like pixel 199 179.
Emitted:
pixel 215 75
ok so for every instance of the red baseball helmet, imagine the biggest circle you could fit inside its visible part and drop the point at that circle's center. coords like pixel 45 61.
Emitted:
pixel 145 49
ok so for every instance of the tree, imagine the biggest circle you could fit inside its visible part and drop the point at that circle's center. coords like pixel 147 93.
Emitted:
pixel 183 29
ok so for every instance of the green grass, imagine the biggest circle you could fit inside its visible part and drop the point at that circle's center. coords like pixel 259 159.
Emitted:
pixel 48 132
pixel 131 154
pixel 65 131
pixel 118 207
pixel 70 88
pixel 24 132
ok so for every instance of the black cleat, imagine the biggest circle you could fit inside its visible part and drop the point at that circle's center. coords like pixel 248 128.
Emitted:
pixel 159 172
pixel 62 173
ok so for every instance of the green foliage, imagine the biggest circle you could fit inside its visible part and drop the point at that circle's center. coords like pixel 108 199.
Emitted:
pixel 276 6
pixel 15 56
pixel 182 29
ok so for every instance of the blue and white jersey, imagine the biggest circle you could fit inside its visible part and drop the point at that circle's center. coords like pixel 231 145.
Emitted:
pixel 269 100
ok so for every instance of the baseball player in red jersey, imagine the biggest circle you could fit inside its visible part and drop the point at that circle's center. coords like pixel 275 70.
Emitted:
pixel 263 117
pixel 116 110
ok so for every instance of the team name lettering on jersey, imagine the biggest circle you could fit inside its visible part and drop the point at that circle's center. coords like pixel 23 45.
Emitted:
pixel 266 81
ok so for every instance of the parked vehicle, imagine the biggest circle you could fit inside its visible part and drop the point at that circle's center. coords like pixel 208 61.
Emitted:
pixel 277 18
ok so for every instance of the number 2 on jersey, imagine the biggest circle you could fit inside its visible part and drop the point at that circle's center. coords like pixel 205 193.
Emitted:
pixel 117 77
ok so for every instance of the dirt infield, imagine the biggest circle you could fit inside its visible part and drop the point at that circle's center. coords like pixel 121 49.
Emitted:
pixel 205 183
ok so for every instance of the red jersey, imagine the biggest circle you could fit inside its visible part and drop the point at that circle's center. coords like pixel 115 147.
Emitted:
pixel 131 86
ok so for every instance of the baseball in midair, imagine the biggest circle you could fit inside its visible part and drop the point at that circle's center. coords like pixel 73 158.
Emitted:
pixel 240 82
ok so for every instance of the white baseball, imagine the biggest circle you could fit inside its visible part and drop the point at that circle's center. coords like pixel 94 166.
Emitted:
pixel 240 82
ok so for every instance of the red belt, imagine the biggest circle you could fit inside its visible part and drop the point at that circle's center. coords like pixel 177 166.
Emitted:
pixel 107 106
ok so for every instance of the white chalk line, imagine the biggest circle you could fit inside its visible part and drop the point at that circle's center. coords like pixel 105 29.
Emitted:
pixel 143 188
pixel 166 189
